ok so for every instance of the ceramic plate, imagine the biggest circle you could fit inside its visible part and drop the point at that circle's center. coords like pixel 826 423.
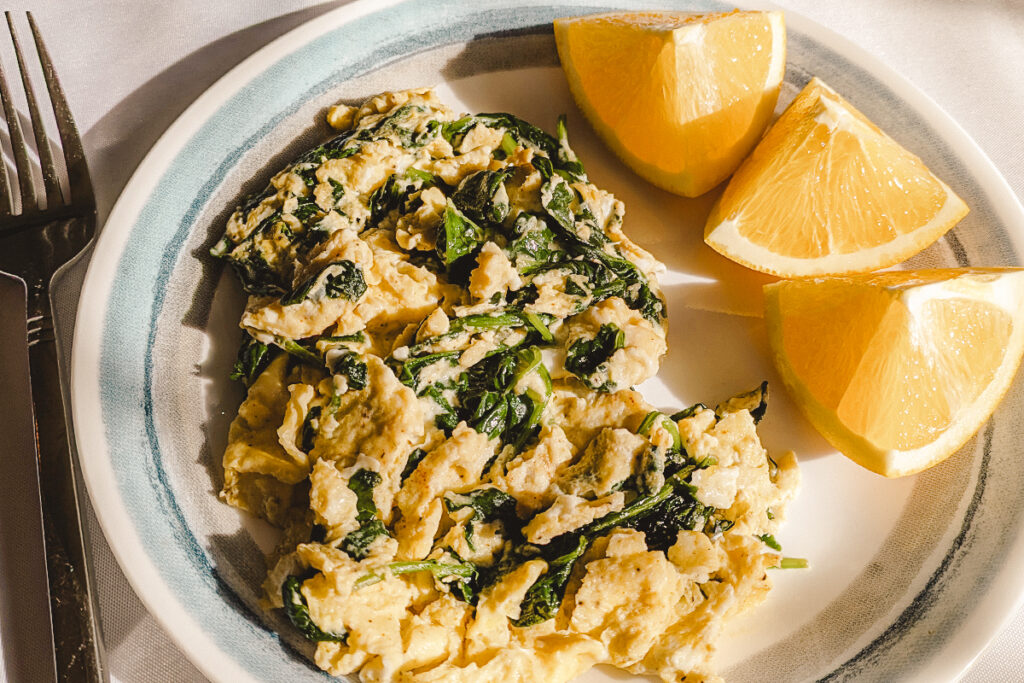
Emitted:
pixel 909 578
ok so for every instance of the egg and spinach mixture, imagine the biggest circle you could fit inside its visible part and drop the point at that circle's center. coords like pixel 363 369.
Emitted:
pixel 444 322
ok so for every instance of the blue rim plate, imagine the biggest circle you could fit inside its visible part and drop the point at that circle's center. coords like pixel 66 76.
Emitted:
pixel 909 579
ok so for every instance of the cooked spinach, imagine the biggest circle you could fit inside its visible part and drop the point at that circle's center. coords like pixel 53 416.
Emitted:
pixel 249 260
pixel 426 178
pixel 299 351
pixel 574 223
pixel 660 515
pixel 341 279
pixel 305 209
pixel 568 161
pixel 462 575
pixel 354 370
pixel 588 358
pixel 770 541
pixel 310 427
pixel 253 358
pixel 544 597
pixel 535 247
pixel 335 148
pixel 755 400
pixel 489 504
pixel 793 563
pixel 452 131
pixel 491 404
pixel 386 198
pixel 408 371
pixel 668 423
pixel 297 610
pixel 482 197
pixel 391 126
pixel 357 543
pixel 458 237
pixel 412 462
pixel 688 412
pixel 524 132
pixel 651 474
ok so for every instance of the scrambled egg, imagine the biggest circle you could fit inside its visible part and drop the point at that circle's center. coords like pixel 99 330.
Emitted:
pixel 445 320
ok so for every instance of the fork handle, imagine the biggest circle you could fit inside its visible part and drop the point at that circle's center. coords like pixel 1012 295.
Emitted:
pixel 75 618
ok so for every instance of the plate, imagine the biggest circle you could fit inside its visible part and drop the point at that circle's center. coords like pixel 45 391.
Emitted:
pixel 909 578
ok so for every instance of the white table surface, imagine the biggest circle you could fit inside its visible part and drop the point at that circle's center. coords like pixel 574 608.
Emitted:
pixel 130 67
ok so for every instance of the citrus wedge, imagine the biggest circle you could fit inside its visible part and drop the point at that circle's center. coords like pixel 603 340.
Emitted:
pixel 828 193
pixel 898 369
pixel 680 97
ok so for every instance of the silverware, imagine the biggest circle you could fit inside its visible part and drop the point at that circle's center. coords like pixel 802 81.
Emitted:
pixel 35 242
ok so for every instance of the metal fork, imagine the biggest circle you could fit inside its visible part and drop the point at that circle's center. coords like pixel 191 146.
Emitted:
pixel 35 243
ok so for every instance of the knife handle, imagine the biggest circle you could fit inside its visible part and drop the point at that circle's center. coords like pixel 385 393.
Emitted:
pixel 74 613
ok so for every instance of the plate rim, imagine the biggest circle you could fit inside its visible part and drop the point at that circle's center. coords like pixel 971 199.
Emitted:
pixel 990 614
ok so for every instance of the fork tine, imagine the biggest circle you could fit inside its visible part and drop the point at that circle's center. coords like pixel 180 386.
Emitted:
pixel 53 193
pixel 21 163
pixel 6 199
pixel 78 171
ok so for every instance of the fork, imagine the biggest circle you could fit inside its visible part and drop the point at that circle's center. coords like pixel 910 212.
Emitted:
pixel 35 242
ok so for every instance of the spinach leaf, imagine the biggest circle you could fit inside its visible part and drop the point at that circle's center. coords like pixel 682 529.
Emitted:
pixel 310 427
pixel 770 541
pixel 426 178
pixel 354 370
pixel 755 400
pixel 412 462
pixel 507 147
pixel 391 126
pixel 535 248
pixel 667 423
pixel 335 148
pixel 459 236
pixel 688 412
pixel 385 199
pixel 651 474
pixel 299 351
pixel 544 597
pixel 408 371
pixel 453 131
pixel 341 279
pixel 357 543
pixel 491 404
pixel 297 610
pixel 507 317
pixel 585 238
pixel 660 515
pixel 568 161
pixel 253 358
pixel 662 525
pixel 459 576
pixel 248 257
pixel 587 359
pixel 356 337
pixel 305 209
pixel 489 504
pixel 482 197
pixel 448 419
pixel 522 131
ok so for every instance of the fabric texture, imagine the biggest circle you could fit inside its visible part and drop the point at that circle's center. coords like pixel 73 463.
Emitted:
pixel 129 69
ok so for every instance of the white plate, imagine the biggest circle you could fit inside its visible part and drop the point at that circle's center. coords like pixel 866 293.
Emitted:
pixel 909 578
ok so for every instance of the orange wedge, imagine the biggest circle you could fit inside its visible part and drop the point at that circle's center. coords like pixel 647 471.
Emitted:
pixel 828 193
pixel 680 97
pixel 898 369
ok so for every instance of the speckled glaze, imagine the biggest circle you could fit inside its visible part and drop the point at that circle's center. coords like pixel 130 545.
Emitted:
pixel 909 579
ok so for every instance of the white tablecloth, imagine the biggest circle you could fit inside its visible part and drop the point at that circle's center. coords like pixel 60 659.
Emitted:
pixel 129 68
